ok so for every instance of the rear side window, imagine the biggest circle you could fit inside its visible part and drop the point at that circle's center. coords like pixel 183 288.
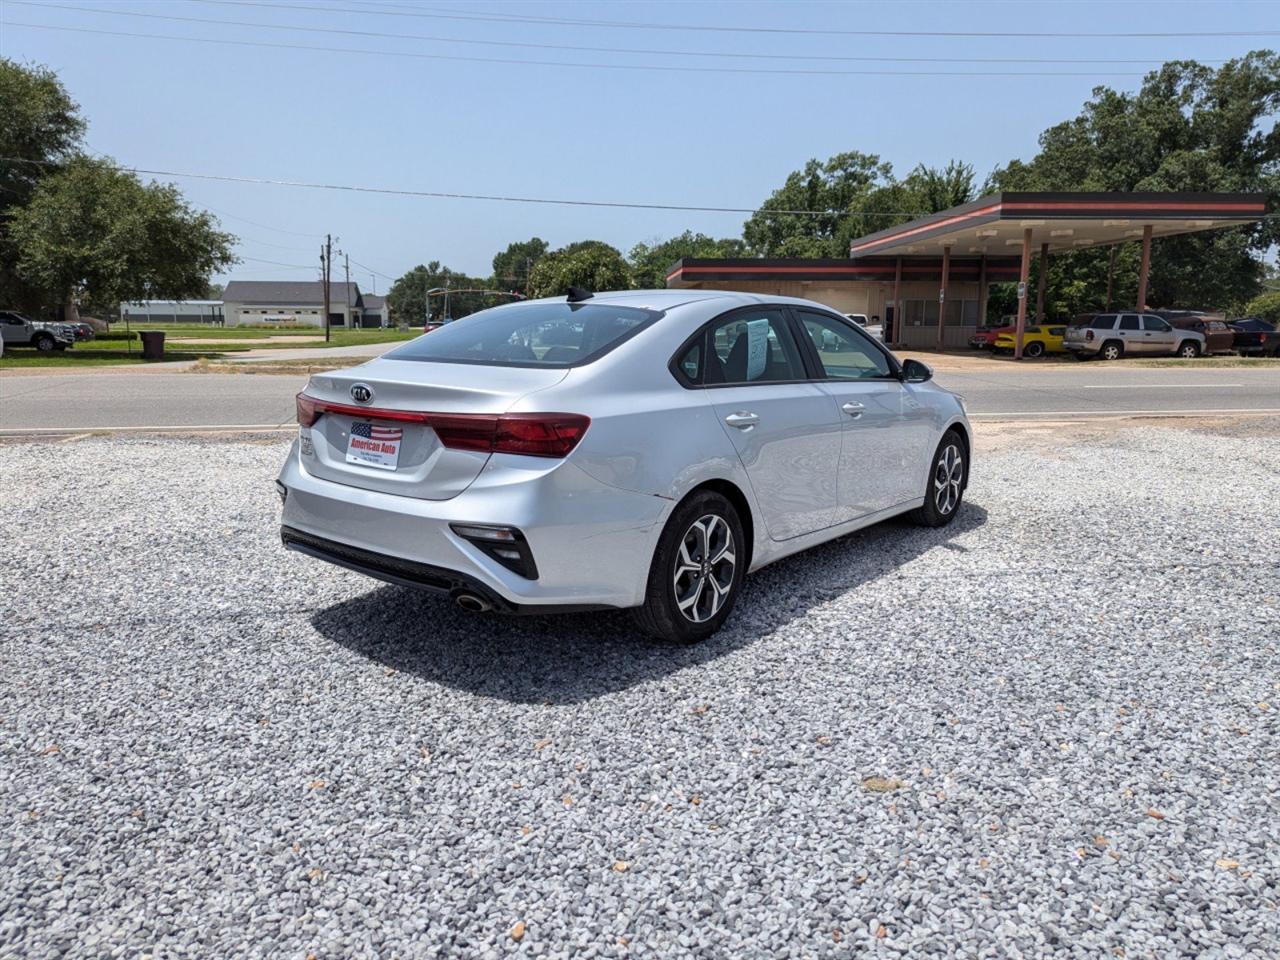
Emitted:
pixel 530 335
pixel 751 347
pixel 1106 321
pixel 1129 322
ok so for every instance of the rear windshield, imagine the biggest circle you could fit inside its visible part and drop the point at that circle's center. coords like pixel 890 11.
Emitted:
pixel 530 335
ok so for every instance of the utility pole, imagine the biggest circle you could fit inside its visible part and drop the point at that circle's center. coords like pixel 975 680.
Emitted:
pixel 347 263
pixel 325 257
pixel 447 281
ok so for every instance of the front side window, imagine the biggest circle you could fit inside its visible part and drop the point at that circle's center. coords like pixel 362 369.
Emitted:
pixel 752 347
pixel 1156 324
pixel 843 353
pixel 530 335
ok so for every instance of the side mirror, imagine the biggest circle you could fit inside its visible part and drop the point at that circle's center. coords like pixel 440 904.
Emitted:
pixel 913 371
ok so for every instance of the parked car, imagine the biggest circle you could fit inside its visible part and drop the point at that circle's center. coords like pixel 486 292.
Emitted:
pixel 1036 341
pixel 875 329
pixel 19 330
pixel 80 330
pixel 1111 336
pixel 984 336
pixel 684 439
pixel 1217 335
pixel 1251 336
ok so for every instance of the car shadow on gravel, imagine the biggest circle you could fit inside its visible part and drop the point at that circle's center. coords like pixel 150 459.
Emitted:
pixel 571 658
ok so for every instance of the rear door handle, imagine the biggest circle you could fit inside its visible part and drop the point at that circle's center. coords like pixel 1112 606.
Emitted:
pixel 742 420
pixel 854 409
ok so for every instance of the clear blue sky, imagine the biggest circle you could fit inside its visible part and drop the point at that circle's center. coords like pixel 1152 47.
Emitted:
pixel 402 115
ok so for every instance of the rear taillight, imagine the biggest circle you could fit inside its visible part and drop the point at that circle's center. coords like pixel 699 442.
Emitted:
pixel 528 434
pixel 1088 334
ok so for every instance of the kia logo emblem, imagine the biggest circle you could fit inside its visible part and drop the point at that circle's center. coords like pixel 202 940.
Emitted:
pixel 361 393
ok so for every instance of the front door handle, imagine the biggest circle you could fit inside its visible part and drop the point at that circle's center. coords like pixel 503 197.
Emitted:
pixel 742 420
pixel 854 409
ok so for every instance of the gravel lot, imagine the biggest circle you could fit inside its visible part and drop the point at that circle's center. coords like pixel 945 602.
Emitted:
pixel 213 748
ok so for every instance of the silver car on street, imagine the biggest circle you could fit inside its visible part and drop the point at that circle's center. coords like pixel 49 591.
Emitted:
pixel 643 449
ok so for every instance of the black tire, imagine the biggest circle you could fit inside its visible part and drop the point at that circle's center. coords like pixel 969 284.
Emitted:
pixel 1111 350
pixel 661 614
pixel 1189 350
pixel 43 342
pixel 948 478
pixel 1033 349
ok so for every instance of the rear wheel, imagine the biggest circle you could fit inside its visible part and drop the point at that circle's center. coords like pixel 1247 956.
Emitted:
pixel 1189 350
pixel 1033 349
pixel 947 479
pixel 1111 350
pixel 696 572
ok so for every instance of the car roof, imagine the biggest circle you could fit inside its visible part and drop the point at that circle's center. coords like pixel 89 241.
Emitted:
pixel 668 299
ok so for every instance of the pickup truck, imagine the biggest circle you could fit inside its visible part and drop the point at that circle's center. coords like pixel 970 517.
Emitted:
pixel 18 330
pixel 1254 337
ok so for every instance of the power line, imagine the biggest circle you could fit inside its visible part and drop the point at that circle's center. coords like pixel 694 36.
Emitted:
pixel 704 54
pixel 646 67
pixel 371 270
pixel 446 14
pixel 440 195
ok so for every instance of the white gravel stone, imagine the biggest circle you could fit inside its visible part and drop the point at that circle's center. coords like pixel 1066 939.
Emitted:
pixel 213 747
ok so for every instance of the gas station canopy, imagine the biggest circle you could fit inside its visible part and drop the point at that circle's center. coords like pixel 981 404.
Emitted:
pixel 997 224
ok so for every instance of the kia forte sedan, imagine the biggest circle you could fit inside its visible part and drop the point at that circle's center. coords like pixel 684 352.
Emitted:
pixel 641 450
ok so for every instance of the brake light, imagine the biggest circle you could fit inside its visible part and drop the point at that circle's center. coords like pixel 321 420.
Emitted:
pixel 1088 334
pixel 528 434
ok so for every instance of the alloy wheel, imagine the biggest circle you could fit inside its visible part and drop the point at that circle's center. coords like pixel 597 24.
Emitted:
pixel 948 479
pixel 705 567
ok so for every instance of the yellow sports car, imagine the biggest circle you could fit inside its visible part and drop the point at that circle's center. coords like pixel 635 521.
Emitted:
pixel 1036 341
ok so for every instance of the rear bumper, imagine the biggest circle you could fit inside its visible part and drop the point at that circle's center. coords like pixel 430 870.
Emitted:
pixel 1084 347
pixel 408 573
pixel 592 543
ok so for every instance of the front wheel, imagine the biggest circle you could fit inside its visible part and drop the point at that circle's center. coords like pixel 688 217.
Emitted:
pixel 697 571
pixel 45 343
pixel 1189 350
pixel 948 477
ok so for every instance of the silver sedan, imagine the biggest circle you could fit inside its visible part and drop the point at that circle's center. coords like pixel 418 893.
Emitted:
pixel 640 450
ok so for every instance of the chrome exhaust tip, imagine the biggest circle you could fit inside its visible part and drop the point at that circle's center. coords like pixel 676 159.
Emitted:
pixel 469 601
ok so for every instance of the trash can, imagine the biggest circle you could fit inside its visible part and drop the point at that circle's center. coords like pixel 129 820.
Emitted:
pixel 152 344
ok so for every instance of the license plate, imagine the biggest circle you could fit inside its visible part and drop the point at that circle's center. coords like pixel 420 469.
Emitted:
pixel 373 445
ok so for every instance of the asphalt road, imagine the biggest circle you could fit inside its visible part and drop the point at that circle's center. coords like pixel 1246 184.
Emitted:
pixel 109 399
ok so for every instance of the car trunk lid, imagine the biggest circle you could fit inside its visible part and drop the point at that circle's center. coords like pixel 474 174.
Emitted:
pixel 376 438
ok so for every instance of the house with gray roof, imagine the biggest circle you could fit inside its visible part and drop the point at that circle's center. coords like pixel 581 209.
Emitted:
pixel 291 303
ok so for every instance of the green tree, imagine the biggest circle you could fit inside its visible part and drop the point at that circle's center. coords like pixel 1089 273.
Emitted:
pixel 590 265
pixel 1189 128
pixel 39 129
pixel 1265 305
pixel 831 190
pixel 650 262
pixel 408 295
pixel 92 233
pixel 512 267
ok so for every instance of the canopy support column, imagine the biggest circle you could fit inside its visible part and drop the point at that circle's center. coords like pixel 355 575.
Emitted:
pixel 1144 268
pixel 893 335
pixel 942 295
pixel 1044 265
pixel 1024 276
pixel 982 291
